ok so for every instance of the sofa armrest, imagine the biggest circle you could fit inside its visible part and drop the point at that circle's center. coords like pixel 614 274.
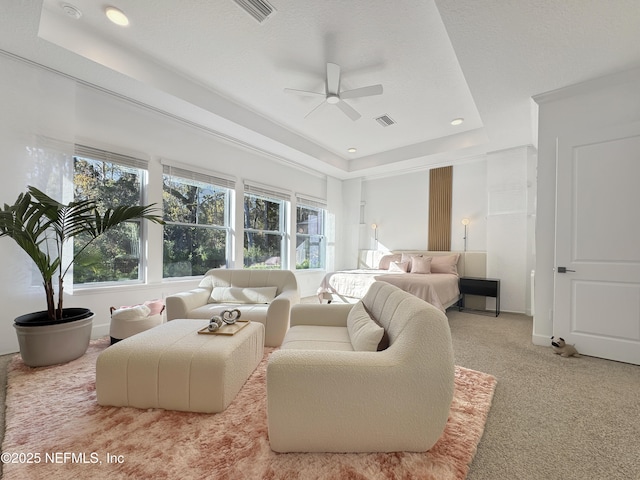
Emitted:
pixel 180 304
pixel 278 313
pixel 333 401
pixel 331 315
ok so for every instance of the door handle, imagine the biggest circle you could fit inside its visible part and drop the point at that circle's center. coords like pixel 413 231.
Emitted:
pixel 564 270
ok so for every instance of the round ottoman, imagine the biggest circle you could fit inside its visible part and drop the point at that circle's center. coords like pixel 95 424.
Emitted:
pixel 127 321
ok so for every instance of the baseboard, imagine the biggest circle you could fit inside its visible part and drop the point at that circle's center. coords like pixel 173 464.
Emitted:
pixel 99 331
pixel 541 340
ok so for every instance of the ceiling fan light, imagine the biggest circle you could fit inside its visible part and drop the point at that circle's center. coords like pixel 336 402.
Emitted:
pixel 333 99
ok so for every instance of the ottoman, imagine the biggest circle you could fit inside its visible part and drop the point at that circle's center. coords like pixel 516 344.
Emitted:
pixel 173 367
pixel 127 321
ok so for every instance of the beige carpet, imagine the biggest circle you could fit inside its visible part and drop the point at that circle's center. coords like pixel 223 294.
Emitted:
pixel 52 410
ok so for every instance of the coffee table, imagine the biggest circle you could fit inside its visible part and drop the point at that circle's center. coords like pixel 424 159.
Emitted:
pixel 173 367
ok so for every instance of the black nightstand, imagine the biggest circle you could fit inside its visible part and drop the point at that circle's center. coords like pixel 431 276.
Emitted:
pixel 486 287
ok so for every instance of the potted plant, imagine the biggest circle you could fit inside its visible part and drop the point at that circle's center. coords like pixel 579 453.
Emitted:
pixel 42 226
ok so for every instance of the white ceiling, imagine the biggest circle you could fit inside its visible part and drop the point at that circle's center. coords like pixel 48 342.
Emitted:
pixel 209 62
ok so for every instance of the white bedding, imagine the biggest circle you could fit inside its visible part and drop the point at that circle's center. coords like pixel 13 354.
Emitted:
pixel 439 289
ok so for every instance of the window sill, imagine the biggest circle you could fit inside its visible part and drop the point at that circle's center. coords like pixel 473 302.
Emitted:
pixel 96 289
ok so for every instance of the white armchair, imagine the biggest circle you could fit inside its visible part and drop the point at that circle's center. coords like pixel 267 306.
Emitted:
pixel 265 296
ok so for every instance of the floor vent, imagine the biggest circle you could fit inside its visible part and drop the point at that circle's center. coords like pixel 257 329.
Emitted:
pixel 258 9
pixel 385 120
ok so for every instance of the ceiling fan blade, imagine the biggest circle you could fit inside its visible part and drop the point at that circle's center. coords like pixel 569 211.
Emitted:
pixel 315 108
pixel 303 92
pixel 333 78
pixel 348 110
pixel 362 92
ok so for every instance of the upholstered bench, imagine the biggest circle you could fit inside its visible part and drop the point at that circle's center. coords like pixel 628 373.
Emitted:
pixel 173 367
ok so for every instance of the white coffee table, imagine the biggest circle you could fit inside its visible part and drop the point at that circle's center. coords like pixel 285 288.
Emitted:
pixel 173 367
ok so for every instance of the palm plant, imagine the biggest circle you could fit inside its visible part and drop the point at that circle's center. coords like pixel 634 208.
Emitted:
pixel 41 226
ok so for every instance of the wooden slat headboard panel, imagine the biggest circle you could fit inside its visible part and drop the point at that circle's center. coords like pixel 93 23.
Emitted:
pixel 440 197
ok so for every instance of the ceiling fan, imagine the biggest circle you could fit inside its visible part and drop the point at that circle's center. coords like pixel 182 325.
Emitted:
pixel 333 95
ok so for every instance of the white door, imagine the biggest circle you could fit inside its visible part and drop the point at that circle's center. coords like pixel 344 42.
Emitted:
pixel 597 300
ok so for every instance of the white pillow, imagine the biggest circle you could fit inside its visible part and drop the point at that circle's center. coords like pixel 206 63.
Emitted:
pixel 421 265
pixel 243 295
pixel 131 313
pixel 399 267
pixel 365 334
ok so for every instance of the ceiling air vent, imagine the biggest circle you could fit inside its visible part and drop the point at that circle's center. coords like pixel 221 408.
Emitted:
pixel 258 9
pixel 385 120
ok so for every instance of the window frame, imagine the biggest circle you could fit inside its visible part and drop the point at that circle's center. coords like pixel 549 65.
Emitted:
pixel 94 154
pixel 320 205
pixel 283 199
pixel 212 180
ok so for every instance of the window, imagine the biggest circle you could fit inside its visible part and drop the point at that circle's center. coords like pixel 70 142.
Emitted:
pixel 196 212
pixel 112 180
pixel 310 240
pixel 265 213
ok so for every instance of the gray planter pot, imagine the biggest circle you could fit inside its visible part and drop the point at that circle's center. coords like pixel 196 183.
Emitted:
pixel 43 344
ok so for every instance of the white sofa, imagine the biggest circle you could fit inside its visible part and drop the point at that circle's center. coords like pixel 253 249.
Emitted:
pixel 264 296
pixel 325 396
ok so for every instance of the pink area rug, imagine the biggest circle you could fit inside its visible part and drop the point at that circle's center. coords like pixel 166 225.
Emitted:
pixel 55 430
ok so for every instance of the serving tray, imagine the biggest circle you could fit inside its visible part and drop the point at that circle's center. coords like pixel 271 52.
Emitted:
pixel 226 329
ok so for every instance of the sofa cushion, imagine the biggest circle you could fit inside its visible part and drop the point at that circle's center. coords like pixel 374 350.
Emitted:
pixel 243 295
pixel 364 332
pixel 317 337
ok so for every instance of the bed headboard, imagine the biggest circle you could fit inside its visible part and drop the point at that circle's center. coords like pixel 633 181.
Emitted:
pixel 470 264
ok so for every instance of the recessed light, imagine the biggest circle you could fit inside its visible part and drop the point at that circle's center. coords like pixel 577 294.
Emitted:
pixel 117 16
pixel 457 121
pixel 352 150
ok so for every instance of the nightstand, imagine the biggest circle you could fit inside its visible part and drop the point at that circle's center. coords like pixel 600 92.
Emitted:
pixel 486 287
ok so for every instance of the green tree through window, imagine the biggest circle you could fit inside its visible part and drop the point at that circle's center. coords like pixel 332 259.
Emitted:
pixel 264 231
pixel 197 231
pixel 115 256
pixel 310 244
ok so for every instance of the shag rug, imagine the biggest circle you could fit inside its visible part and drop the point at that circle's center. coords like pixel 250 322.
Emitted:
pixel 56 430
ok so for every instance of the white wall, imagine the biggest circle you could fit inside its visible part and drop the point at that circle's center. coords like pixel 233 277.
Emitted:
pixel 601 103
pixel 510 213
pixel 351 225
pixel 469 201
pixel 45 114
pixel 399 205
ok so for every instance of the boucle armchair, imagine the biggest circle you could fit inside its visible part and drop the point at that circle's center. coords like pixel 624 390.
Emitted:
pixel 325 396
pixel 264 296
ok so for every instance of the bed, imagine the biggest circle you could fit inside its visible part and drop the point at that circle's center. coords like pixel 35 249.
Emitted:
pixel 431 276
